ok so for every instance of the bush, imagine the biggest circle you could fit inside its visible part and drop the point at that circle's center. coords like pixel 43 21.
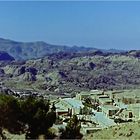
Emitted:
pixel 31 116
pixel 72 130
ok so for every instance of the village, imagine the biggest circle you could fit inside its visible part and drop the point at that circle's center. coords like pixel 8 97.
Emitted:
pixel 99 109
pixel 96 109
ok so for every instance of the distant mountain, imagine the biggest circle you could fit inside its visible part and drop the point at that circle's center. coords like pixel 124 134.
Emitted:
pixel 4 56
pixel 33 50
pixel 114 51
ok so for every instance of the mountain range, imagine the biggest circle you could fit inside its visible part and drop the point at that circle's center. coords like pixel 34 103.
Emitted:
pixel 63 69
pixel 74 72
pixel 39 49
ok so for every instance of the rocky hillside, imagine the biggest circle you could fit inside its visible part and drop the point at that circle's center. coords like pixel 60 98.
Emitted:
pixel 5 56
pixel 127 131
pixel 74 72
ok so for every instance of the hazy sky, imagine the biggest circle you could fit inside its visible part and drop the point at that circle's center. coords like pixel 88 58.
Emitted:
pixel 92 24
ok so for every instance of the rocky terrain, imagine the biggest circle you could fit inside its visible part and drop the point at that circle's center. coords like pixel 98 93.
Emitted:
pixel 74 72
pixel 66 73
pixel 5 57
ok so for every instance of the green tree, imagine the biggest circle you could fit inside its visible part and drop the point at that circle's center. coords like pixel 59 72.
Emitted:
pixel 31 116
pixel 10 115
pixel 72 130
pixel 38 116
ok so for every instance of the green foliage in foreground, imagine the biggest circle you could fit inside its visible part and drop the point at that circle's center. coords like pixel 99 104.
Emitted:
pixel 31 116
pixel 72 130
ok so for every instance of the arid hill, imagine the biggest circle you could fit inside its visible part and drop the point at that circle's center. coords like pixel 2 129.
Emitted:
pixel 74 72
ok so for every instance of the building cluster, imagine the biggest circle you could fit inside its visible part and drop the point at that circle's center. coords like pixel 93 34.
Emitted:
pixel 95 109
pixel 19 93
pixel 99 109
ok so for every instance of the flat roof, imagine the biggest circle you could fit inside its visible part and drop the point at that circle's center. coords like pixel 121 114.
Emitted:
pixel 105 99
pixel 103 96
pixel 59 106
pixel 110 107
pixel 96 92
pixel 84 93
pixel 61 110
pixel 73 102
pixel 129 93
pixel 137 105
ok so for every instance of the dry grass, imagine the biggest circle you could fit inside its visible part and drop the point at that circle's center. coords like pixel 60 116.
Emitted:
pixel 123 131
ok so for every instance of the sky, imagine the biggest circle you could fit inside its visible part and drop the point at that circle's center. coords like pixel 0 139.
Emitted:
pixel 100 24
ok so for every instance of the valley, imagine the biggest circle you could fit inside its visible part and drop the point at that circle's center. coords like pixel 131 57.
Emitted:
pixel 100 87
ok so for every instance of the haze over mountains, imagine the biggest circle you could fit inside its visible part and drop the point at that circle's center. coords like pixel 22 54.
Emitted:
pixel 32 50
pixel 38 49
pixel 70 69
